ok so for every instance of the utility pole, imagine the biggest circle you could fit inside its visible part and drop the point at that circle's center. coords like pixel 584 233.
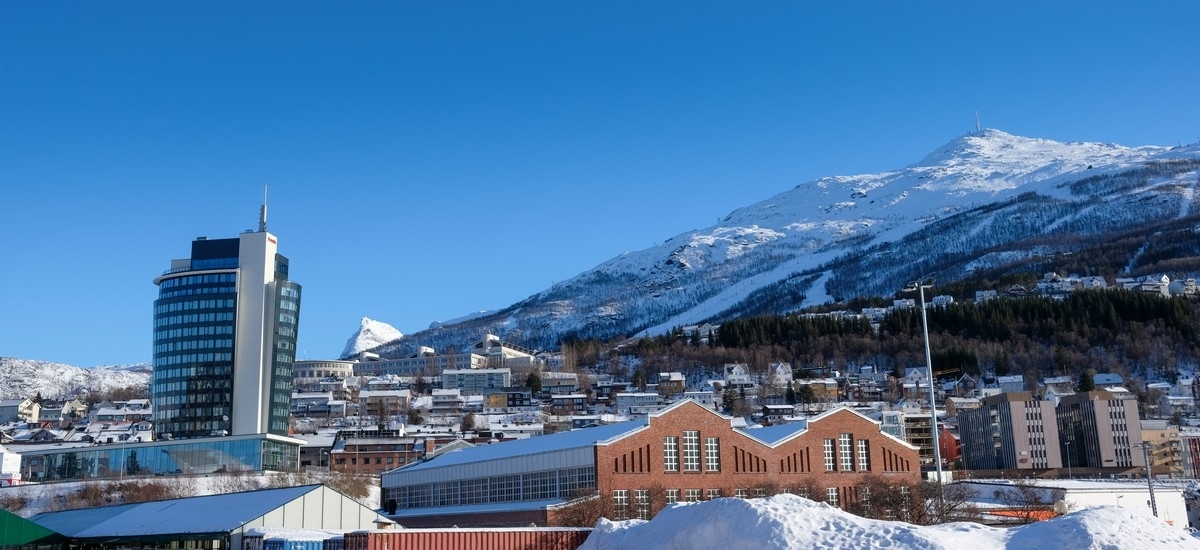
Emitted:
pixel 1149 478
pixel 920 287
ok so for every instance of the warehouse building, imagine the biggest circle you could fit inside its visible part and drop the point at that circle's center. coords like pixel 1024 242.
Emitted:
pixel 213 522
pixel 685 452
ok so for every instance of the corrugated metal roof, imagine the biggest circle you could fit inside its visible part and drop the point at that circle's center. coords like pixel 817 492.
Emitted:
pixel 204 514
pixel 584 437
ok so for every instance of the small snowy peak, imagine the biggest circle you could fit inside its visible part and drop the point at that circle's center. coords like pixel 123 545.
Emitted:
pixel 370 335
pixel 791 522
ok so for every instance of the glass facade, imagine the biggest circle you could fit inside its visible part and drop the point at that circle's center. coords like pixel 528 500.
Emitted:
pixel 213 455
pixel 287 301
pixel 549 484
pixel 194 320
pixel 196 328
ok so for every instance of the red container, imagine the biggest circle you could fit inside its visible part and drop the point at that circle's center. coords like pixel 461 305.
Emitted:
pixel 504 538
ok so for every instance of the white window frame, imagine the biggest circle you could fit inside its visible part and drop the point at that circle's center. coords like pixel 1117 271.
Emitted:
pixel 621 503
pixel 830 464
pixel 691 451
pixel 671 454
pixel 712 454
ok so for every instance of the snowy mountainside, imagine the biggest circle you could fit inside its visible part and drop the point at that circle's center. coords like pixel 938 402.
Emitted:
pixel 967 207
pixel 22 378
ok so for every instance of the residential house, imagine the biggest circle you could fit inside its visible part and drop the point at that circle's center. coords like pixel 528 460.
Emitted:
pixel 954 405
pixel 1164 448
pixel 737 377
pixel 671 383
pixel 1012 383
pixel 19 410
pixel 571 403
pixel 779 375
pixel 446 401
pixel 383 404
pixel 1171 405
pixel 637 403
pixel 559 383
pixel 1104 380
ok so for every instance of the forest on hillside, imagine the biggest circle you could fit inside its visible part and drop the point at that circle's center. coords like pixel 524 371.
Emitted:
pixel 1143 337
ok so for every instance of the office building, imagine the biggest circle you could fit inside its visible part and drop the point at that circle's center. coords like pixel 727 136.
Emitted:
pixel 225 325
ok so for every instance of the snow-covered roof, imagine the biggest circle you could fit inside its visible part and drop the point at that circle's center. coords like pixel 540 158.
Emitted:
pixel 194 515
pixel 584 437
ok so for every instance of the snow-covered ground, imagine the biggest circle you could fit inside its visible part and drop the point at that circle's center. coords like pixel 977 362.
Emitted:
pixel 792 522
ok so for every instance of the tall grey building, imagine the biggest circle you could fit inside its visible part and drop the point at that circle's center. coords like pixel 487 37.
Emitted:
pixel 1010 431
pixel 225 325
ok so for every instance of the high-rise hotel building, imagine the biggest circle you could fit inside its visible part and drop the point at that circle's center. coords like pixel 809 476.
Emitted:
pixel 225 339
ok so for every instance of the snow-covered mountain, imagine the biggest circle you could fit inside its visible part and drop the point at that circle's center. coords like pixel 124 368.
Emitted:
pixel 979 202
pixel 22 378
pixel 370 334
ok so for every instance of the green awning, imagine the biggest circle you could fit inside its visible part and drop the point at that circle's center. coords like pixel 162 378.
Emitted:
pixel 16 530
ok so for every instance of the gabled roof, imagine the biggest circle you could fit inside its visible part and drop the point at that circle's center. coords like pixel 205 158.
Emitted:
pixel 16 530
pixel 194 515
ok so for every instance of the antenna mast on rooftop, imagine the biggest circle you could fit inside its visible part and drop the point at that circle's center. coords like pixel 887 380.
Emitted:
pixel 977 129
pixel 262 213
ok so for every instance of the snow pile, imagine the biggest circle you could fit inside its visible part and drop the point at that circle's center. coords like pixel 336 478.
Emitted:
pixel 792 522
pixel 293 533
pixel 371 334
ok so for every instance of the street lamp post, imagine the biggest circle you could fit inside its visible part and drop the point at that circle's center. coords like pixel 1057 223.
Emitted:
pixel 1068 459
pixel 920 287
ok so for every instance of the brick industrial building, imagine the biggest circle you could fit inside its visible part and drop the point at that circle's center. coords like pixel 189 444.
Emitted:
pixel 684 452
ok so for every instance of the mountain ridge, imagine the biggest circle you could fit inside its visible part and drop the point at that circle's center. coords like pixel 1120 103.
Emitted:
pixel 24 378
pixel 961 208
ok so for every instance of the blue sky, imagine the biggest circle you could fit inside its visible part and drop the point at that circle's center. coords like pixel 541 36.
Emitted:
pixel 427 160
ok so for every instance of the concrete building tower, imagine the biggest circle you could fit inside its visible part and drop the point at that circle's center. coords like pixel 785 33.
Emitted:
pixel 225 325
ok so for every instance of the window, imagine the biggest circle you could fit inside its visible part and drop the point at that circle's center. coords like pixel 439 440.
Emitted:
pixel 740 493
pixel 845 453
pixel 712 454
pixel 829 464
pixel 691 495
pixel 713 493
pixel 672 495
pixel 671 454
pixel 691 451
pixel 831 496
pixel 864 456
pixel 642 500
pixel 621 503
pixel 760 492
